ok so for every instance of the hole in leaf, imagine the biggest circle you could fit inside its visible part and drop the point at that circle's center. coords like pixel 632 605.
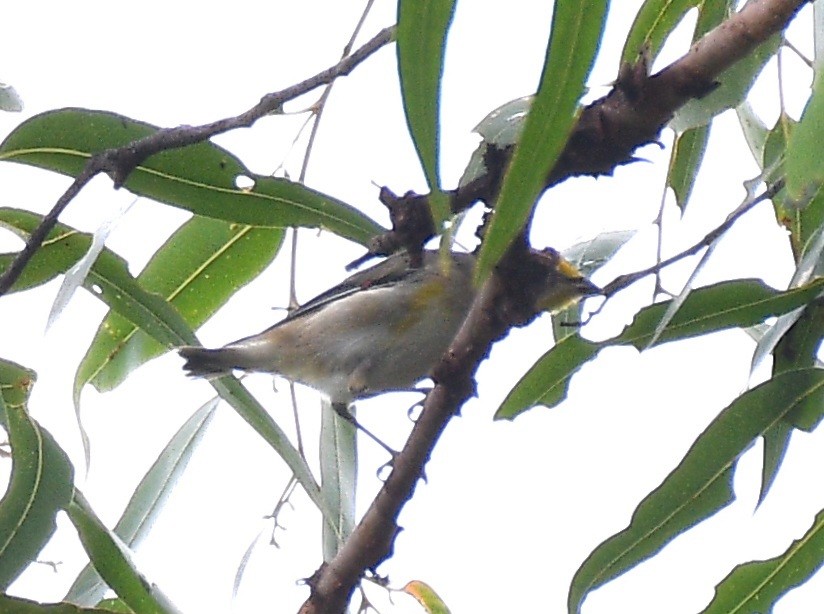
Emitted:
pixel 244 183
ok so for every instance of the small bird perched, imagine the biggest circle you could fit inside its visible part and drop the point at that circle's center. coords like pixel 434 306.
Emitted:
pixel 381 329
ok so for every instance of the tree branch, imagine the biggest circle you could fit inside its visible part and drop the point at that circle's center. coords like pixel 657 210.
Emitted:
pixel 120 162
pixel 609 130
pixel 624 281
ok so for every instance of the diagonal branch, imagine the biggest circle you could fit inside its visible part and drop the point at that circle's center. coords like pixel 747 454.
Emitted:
pixel 623 281
pixel 120 162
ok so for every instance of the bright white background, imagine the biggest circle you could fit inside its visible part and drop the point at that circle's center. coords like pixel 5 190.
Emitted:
pixel 510 509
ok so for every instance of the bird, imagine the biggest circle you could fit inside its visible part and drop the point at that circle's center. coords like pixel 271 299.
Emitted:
pixel 381 329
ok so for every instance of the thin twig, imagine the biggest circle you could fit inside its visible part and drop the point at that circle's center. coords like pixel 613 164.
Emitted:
pixel 121 161
pixel 624 281
pixel 317 112
pixel 40 233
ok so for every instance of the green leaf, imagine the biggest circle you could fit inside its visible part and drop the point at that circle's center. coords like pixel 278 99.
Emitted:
pixel 148 499
pixel 701 485
pixel 728 304
pixel 197 270
pixel 740 303
pixel 655 21
pixel 200 178
pixel 422 29
pixel 686 158
pixel 755 587
pixel 754 130
pixel 41 481
pixel 547 382
pixel 710 14
pixel 18 605
pixel 776 443
pixel 56 256
pixel 339 477
pixel 111 281
pixel 797 349
pixel 804 166
pixel 15 387
pixel 802 217
pixel 734 84
pixel 430 601
pixel 113 561
pixel 574 39
pixel 772 165
pixel 115 605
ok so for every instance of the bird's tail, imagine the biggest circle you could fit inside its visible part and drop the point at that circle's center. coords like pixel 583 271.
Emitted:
pixel 203 362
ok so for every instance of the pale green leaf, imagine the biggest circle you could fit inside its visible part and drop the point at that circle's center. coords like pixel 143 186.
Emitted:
pixel 574 39
pixel 422 29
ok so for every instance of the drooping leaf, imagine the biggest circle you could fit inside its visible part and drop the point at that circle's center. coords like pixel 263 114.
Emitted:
pixel 547 382
pixel 338 477
pixel 111 281
pixel 655 21
pixel 775 147
pixel 687 155
pixel 776 443
pixel 574 38
pixel 802 217
pixel 113 561
pixel 422 29
pixel 701 485
pixel 41 482
pixel 148 499
pixel 200 178
pixel 734 84
pixel 754 130
pixel 755 587
pixel 196 270
pixel 74 277
pixel 803 164
pixel 795 345
pixel 772 164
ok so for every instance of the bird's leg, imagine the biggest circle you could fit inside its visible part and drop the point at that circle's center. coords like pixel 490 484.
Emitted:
pixel 342 410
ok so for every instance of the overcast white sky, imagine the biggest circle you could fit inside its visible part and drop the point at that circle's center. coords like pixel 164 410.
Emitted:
pixel 510 510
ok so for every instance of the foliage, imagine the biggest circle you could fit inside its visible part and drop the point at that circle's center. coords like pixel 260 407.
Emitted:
pixel 236 231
